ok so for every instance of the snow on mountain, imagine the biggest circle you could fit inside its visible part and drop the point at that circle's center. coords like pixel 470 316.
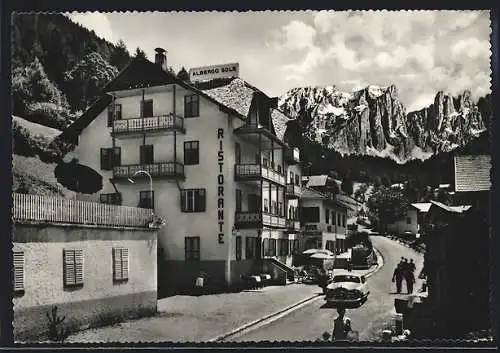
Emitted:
pixel 373 121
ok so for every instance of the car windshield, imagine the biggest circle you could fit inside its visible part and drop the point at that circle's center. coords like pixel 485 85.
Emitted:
pixel 346 278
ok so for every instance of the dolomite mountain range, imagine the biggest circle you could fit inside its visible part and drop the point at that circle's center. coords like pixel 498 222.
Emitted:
pixel 373 121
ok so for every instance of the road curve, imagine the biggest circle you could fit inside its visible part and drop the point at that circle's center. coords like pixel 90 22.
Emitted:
pixel 310 322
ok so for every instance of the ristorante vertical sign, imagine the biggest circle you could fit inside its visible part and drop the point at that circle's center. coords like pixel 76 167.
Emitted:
pixel 220 186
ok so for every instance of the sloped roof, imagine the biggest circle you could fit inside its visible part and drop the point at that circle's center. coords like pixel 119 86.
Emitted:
pixel 317 180
pixel 472 173
pixel 236 95
pixel 453 209
pixel 280 121
pixel 422 206
pixel 308 193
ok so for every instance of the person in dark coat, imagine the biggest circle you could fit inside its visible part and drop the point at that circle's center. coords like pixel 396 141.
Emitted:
pixel 397 277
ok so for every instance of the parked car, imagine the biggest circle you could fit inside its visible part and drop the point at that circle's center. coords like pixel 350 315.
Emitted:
pixel 347 289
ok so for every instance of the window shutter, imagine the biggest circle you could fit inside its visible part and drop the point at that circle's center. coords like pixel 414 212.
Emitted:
pixel 124 261
pixel 69 267
pixel 183 201
pixel 78 267
pixel 202 200
pixel 117 156
pixel 18 258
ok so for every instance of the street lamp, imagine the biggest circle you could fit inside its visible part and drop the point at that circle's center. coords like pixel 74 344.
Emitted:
pixel 132 181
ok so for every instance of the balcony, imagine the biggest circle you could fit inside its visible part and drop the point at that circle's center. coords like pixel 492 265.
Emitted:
pixel 43 209
pixel 174 170
pixel 313 228
pixel 258 220
pixel 159 123
pixel 292 225
pixel 256 172
pixel 293 191
pixel 292 155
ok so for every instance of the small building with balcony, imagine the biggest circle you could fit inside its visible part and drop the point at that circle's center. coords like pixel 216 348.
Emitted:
pixel 213 159
pixel 323 221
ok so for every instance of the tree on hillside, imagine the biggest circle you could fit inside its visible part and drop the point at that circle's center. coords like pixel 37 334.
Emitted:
pixel 388 205
pixel 139 53
pixel 360 193
pixel 183 74
pixel 386 181
pixel 120 57
pixel 347 185
pixel 86 78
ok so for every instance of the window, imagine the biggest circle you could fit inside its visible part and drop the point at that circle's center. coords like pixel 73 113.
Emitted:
pixel 147 108
pixel 192 248
pixel 283 247
pixel 280 169
pixel 274 207
pixel 147 199
pixel 297 179
pixel 291 177
pixel 146 154
pixel 280 209
pixel 18 269
pixel 238 248
pixel 111 199
pixel 237 153
pixel 254 203
pixel 408 220
pixel 333 218
pixel 295 246
pixel 73 268
pixel 117 114
pixel 327 216
pixel 310 214
pixel 120 265
pixel 266 207
pixel 290 247
pixel 338 220
pixel 110 157
pixel 193 200
pixel 272 247
pixel 250 247
pixel 191 106
pixel 343 220
pixel 239 200
pixel 191 152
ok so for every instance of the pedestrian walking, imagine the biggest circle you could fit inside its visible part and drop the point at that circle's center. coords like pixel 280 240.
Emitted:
pixel 397 277
pixel 341 326
pixel 410 280
pixel 349 265
pixel 412 266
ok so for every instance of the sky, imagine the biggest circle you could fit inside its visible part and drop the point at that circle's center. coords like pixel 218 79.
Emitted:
pixel 421 52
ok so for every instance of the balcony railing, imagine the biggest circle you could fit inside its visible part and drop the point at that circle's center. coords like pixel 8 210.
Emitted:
pixel 39 208
pixel 292 224
pixel 293 191
pixel 151 124
pixel 258 220
pixel 157 170
pixel 256 171
pixel 319 227
pixel 292 155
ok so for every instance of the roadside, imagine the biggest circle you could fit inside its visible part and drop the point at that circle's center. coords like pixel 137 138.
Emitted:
pixel 185 318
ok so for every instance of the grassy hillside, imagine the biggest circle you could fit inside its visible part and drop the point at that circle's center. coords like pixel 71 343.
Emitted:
pixel 36 129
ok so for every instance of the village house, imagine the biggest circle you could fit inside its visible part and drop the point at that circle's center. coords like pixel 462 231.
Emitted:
pixel 222 173
pixel 413 221
pixel 324 221
pixel 91 263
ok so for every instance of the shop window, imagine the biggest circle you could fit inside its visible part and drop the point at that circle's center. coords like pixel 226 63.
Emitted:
pixel 193 200
pixel 147 199
pixel 120 265
pixel 73 268
pixel 114 114
pixel 18 269
pixel 110 157
pixel 250 247
pixel 191 152
pixel 191 106
pixel 192 248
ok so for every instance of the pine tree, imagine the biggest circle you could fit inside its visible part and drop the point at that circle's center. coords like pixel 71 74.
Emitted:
pixel 183 74
pixel 140 54
pixel 120 56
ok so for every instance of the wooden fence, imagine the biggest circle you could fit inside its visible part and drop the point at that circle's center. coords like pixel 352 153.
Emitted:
pixel 41 208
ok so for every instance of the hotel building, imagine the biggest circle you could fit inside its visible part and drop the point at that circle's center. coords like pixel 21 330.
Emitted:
pixel 223 175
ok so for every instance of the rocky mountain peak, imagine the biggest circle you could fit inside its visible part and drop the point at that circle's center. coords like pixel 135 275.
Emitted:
pixel 372 121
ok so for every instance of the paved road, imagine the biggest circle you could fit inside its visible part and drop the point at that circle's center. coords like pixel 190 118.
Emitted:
pixel 309 322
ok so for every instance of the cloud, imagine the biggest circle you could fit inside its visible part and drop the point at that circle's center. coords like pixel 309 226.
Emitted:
pixel 98 22
pixel 298 35
pixel 421 52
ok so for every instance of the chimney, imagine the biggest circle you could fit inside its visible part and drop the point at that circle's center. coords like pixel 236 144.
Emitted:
pixel 161 58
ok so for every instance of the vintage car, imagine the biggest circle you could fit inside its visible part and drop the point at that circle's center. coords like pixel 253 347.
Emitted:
pixel 347 289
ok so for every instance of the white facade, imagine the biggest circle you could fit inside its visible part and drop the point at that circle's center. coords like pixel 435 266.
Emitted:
pixel 409 223
pixel 215 172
